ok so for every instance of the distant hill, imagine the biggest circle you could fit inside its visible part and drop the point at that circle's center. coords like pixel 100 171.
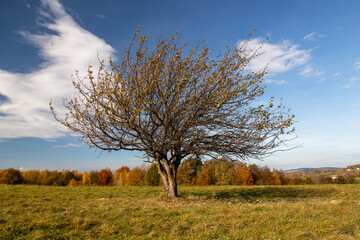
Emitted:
pixel 306 170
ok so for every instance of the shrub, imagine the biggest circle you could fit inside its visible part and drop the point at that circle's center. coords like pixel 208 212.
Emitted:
pixel 152 176
pixel 120 176
pixel 94 177
pixel 104 177
pixel 74 182
pixel 66 177
pixel 135 177
pixel 188 170
pixel 10 176
pixel 31 176
pixel 243 175
pixel 86 179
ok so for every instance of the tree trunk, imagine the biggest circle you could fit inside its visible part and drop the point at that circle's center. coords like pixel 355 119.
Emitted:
pixel 170 187
pixel 168 176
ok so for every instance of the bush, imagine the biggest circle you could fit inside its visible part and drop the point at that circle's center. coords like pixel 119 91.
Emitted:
pixel 135 177
pixel 243 175
pixel 94 177
pixel 104 177
pixel 120 176
pixel 188 171
pixel 152 176
pixel 31 177
pixel 66 177
pixel 11 176
pixel 86 179
pixel 74 182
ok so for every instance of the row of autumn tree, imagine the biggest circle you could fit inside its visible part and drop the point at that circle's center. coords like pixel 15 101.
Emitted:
pixel 192 171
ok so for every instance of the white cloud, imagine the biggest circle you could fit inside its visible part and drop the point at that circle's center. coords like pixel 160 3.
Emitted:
pixel 337 74
pixel 308 71
pixel 26 111
pixel 100 15
pixel 350 81
pixel 68 145
pixel 277 82
pixel 321 80
pixel 314 36
pixel 279 58
pixel 357 64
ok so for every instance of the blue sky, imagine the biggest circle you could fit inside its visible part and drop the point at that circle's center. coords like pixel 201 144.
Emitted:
pixel 313 50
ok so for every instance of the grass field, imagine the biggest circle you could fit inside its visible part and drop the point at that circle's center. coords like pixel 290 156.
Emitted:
pixel 214 212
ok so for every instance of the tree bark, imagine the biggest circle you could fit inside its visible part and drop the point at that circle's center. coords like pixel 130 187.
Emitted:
pixel 170 187
pixel 168 176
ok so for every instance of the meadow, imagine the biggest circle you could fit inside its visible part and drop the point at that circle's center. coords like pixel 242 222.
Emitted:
pixel 206 212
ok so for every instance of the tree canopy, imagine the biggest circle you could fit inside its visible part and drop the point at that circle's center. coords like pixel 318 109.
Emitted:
pixel 174 100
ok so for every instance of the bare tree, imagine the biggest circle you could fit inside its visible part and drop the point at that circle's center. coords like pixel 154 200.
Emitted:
pixel 174 101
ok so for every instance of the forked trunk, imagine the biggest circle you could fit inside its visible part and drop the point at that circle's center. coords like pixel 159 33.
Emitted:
pixel 168 176
pixel 170 187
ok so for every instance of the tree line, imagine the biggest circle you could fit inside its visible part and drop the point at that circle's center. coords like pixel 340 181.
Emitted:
pixel 192 172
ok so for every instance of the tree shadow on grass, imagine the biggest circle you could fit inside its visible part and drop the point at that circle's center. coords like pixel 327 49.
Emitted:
pixel 258 193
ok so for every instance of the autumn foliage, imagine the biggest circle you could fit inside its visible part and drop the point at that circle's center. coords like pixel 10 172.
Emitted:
pixel 243 176
pixel 135 177
pixel 193 171
pixel 119 177
pixel 104 177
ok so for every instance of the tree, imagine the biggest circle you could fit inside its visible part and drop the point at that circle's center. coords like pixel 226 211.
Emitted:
pixel 86 179
pixel 176 101
pixel 152 176
pixel 10 176
pixel 94 177
pixel 224 172
pixel 47 177
pixel 278 177
pixel 184 174
pixel 31 176
pixel 66 177
pixel 253 168
pixel 188 170
pixel 135 177
pixel 265 176
pixel 104 177
pixel 203 176
pixel 243 175
pixel 120 176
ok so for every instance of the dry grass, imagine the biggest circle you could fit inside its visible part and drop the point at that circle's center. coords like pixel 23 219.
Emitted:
pixel 215 212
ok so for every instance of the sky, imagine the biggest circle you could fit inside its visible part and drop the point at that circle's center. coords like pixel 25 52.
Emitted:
pixel 312 52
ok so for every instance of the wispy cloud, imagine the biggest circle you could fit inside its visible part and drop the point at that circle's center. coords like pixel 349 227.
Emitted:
pixel 277 82
pixel 357 64
pixel 279 58
pixel 69 48
pixel 314 36
pixel 321 80
pixel 309 71
pixel 350 81
pixel 100 15
pixel 337 74
pixel 68 145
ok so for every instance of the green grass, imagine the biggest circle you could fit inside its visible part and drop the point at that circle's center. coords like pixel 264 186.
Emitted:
pixel 214 212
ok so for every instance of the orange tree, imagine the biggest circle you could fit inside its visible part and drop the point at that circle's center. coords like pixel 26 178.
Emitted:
pixel 104 177
pixel 174 101
pixel 243 175
pixel 135 177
